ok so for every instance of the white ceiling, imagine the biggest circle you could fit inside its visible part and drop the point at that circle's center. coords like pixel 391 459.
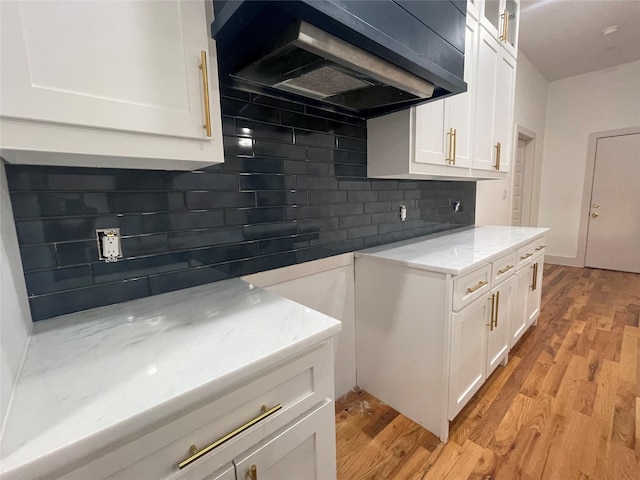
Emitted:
pixel 563 38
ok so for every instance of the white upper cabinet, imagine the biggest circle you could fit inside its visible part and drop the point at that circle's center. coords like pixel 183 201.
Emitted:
pixel 465 136
pixel 494 106
pixel 501 18
pixel 443 128
pixel 130 70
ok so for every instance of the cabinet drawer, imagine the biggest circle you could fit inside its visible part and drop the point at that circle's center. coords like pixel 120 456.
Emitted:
pixel 539 245
pixel 470 286
pixel 297 385
pixel 503 268
pixel 525 254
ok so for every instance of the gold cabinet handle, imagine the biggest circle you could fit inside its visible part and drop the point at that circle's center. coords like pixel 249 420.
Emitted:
pixel 526 256
pixel 503 35
pixel 205 84
pixel 450 156
pixel 493 306
pixel 498 148
pixel 505 270
pixel 539 248
pixel 495 321
pixel 477 287
pixel 195 454
pixel 455 144
pixel 534 284
pixel 506 25
pixel 252 473
pixel 594 214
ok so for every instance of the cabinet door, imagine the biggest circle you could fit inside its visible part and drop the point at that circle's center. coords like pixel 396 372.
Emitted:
pixel 304 450
pixel 519 314
pixel 498 341
pixel 510 42
pixel 503 114
pixel 460 107
pixel 490 18
pixel 488 53
pixel 130 65
pixel 468 353
pixel 534 292
pixel 436 121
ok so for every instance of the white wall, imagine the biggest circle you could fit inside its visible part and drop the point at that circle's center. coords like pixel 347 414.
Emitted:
pixel 577 106
pixel 15 317
pixel 493 197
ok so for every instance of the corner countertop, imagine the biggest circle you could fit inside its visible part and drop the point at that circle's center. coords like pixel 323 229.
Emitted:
pixel 94 377
pixel 454 252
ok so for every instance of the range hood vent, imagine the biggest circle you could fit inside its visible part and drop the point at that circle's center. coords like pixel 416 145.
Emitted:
pixel 313 63
pixel 364 58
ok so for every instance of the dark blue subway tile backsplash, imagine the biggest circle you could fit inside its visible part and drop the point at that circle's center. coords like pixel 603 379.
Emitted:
pixel 293 188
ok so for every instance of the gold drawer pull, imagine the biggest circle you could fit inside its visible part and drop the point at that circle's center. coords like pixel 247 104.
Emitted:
pixel 252 473
pixel 477 287
pixel 195 453
pixel 507 268
pixel 526 256
pixel 539 248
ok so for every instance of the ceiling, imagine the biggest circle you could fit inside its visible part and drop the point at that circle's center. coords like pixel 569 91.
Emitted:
pixel 563 38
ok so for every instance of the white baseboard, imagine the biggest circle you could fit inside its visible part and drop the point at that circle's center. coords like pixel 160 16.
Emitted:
pixel 566 261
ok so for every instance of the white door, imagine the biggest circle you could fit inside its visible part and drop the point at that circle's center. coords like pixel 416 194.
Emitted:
pixel 304 450
pixel 127 65
pixel 470 327
pixel 498 340
pixel 613 238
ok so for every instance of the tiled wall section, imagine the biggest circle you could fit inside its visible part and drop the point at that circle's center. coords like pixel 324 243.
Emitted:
pixel 293 188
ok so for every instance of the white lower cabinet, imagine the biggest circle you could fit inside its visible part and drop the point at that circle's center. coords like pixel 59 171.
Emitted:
pixel 428 340
pixel 305 450
pixel 528 289
pixel 479 342
pixel 469 333
pixel 502 298
pixel 281 422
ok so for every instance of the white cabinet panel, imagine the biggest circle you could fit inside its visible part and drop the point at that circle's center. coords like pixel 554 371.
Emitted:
pixel 109 84
pixel 534 292
pixel 120 65
pixel 519 314
pixel 468 353
pixel 504 98
pixel 305 450
pixel 502 298
pixel 484 148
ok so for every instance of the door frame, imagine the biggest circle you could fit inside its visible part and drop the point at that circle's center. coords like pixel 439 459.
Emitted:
pixel 528 136
pixel 588 186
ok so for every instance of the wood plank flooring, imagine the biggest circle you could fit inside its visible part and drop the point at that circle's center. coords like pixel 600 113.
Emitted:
pixel 565 407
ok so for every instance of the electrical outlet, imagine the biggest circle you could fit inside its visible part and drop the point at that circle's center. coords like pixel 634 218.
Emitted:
pixel 403 213
pixel 109 248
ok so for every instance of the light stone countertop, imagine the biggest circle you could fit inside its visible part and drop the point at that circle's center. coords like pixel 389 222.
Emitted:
pixel 454 252
pixel 94 377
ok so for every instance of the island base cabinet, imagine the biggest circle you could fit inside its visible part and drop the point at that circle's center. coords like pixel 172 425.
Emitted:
pixel 468 353
pixel 305 450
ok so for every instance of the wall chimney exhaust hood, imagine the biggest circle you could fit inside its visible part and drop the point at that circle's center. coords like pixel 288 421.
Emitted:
pixel 358 57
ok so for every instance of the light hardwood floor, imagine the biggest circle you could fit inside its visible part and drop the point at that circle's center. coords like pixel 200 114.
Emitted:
pixel 566 406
